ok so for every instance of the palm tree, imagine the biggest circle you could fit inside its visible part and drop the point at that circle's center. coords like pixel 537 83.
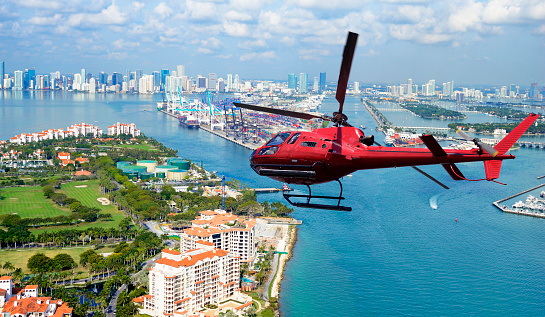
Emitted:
pixel 8 266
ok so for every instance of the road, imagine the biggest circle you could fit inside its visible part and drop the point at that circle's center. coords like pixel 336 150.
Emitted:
pixel 274 267
pixel 110 311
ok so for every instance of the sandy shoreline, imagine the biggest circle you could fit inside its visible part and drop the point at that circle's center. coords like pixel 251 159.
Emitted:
pixel 275 290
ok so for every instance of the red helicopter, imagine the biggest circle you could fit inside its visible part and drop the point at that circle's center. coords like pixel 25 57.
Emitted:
pixel 328 154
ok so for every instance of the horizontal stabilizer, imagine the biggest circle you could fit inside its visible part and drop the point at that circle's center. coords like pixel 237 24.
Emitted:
pixel 433 145
pixel 506 143
pixel 492 169
pixel 453 171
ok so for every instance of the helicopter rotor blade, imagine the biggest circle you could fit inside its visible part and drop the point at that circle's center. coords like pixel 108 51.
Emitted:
pixel 488 148
pixel 288 113
pixel 346 64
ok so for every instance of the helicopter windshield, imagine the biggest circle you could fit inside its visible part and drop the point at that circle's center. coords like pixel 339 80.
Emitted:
pixel 279 139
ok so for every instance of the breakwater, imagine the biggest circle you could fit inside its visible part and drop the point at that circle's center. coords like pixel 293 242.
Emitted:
pixel 517 211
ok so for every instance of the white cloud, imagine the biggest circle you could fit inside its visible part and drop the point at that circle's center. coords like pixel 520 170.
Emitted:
pixel 197 10
pixel 116 55
pixel 466 17
pixel 40 4
pixel 258 56
pixel 252 44
pixel 249 5
pixel 502 11
pixel 330 4
pixel 204 50
pixel 540 30
pixel 233 15
pixel 137 5
pixel 45 20
pixel 236 29
pixel 163 10
pixel 111 15
pixel 371 53
pixel 122 44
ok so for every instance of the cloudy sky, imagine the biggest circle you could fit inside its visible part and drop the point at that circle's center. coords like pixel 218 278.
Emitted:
pixel 496 42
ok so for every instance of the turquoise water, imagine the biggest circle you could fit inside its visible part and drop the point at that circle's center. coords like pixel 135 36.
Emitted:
pixel 394 254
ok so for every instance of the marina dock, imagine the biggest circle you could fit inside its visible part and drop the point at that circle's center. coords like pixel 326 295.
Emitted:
pixel 222 134
pixel 266 190
pixel 518 212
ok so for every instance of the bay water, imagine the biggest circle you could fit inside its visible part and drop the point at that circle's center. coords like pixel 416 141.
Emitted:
pixel 408 247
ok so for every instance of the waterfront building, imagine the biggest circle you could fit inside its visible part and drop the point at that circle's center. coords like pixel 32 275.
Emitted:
pixel 303 83
pixel 182 283
pixel 409 87
pixel 122 128
pixel 164 74
pixel 356 87
pixel 236 83
pixel 229 82
pixel 212 81
pixel 27 303
pixel 18 84
pixel 322 81
pixel 316 85
pixel 92 85
pixel 534 92
pixel 2 73
pixel 225 231
pixel 156 81
pixel 180 70
pixel 292 81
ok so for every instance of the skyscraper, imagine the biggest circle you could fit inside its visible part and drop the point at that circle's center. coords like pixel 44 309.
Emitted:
pixel 212 79
pixel 303 83
pixel 156 80
pixel 83 76
pixel 322 82
pixel 18 85
pixel 2 73
pixel 409 87
pixel 316 86
pixel 180 70
pixel 292 81
pixel 164 73
pixel 533 93
pixel 229 82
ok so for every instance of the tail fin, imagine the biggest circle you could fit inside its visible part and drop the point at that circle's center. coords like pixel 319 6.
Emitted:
pixel 506 143
pixel 492 169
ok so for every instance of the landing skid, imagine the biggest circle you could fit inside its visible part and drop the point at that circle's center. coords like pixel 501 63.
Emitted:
pixel 318 206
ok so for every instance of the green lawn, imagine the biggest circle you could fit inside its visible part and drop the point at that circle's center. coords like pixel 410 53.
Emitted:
pixel 87 192
pixel 19 258
pixel 29 202
pixel 146 147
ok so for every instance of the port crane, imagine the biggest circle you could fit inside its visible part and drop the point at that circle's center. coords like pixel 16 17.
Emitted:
pixel 328 154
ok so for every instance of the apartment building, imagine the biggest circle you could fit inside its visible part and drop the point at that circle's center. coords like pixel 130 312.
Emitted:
pixel 225 231
pixel 181 284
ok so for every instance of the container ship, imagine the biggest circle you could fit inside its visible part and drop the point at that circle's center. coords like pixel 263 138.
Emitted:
pixel 188 121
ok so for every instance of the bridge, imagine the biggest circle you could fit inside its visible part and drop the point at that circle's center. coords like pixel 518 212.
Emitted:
pixel 392 109
pixel 425 128
pixel 533 145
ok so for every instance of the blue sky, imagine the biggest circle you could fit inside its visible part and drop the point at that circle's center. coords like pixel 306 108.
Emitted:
pixel 496 42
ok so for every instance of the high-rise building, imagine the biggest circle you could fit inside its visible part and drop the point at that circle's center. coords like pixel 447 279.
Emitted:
pixel 357 87
pixel 322 82
pixel 236 83
pixel 18 84
pixel 180 70
pixel 83 76
pixel 117 78
pixel 316 86
pixel 156 80
pixel 292 81
pixel 164 73
pixel 512 90
pixel 533 93
pixel 303 83
pixel 212 80
pixel 2 73
pixel 409 87
pixel 103 78
pixel 128 75
pixel 229 82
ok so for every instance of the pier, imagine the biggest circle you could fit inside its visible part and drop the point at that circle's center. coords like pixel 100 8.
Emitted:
pixel 266 190
pixel 222 134
pixel 518 212
pixel 425 128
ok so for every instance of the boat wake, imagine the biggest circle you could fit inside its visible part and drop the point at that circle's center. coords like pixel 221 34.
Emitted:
pixel 433 201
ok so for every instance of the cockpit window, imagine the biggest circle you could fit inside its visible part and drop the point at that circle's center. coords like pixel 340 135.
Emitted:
pixel 294 138
pixel 279 138
pixel 268 150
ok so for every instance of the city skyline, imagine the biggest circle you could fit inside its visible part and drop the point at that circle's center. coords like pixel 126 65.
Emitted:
pixel 466 41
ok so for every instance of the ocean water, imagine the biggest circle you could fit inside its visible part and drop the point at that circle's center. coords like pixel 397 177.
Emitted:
pixel 409 247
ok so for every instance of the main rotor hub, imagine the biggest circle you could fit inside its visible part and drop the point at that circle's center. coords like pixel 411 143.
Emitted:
pixel 339 118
